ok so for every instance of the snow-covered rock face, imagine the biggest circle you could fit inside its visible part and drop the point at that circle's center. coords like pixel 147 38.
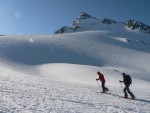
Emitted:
pixel 84 15
pixel 108 21
pixel 61 30
pixel 74 27
pixel 86 22
pixel 136 25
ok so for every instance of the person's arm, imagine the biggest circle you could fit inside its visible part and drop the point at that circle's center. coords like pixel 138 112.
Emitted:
pixel 97 79
pixel 121 81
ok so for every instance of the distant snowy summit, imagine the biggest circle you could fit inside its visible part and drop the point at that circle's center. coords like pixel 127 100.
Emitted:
pixel 86 22
pixel 136 25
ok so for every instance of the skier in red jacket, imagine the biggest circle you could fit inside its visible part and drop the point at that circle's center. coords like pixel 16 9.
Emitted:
pixel 102 79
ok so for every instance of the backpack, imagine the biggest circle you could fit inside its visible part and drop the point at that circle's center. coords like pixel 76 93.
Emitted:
pixel 128 79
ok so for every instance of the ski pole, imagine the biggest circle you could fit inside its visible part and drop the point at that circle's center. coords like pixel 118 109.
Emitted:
pixel 99 86
pixel 121 87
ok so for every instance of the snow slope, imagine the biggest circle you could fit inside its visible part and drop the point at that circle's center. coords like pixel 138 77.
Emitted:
pixel 97 48
pixel 56 73
pixel 22 93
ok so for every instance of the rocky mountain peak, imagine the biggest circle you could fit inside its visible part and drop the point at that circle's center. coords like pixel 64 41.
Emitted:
pixel 136 25
pixel 87 22
pixel 84 15
pixel 108 21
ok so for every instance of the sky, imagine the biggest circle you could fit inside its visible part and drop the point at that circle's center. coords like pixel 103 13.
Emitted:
pixel 23 17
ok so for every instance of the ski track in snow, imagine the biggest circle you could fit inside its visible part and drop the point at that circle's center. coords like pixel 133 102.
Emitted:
pixel 38 95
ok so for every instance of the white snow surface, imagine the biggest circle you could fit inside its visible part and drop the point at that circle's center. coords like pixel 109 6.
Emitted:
pixel 56 73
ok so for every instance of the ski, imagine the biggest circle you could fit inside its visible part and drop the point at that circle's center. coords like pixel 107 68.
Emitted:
pixel 115 95
pixel 127 98
pixel 105 92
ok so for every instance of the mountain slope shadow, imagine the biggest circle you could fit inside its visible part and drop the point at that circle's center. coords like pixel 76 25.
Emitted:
pixel 40 54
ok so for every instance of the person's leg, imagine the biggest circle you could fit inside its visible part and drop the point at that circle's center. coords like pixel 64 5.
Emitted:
pixel 106 89
pixel 103 88
pixel 128 90
pixel 126 95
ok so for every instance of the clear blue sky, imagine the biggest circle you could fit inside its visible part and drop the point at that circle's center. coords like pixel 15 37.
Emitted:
pixel 46 16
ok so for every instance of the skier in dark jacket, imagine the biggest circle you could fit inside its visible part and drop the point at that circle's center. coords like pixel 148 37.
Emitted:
pixel 102 79
pixel 127 81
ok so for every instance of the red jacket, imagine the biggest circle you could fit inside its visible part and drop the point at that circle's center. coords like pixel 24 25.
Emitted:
pixel 101 78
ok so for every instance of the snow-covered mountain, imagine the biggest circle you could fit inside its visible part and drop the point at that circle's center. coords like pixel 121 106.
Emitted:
pixel 56 73
pixel 86 22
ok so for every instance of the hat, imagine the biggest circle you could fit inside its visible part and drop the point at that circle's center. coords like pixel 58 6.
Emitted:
pixel 123 74
pixel 98 72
